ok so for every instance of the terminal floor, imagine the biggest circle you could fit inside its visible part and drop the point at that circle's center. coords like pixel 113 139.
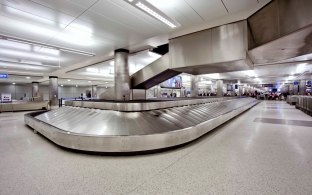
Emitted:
pixel 266 150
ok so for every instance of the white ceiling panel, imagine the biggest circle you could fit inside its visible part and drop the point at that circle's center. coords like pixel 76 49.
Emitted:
pixel 178 10
pixel 33 12
pixel 238 5
pixel 129 17
pixel 69 7
pixel 208 9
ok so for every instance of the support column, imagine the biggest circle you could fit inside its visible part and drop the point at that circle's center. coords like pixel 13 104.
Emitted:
pixel 219 88
pixel 296 89
pixel 291 89
pixel 53 90
pixel 35 89
pixel 93 91
pixel 240 90
pixel 194 85
pixel 302 87
pixel 122 78
pixel 158 91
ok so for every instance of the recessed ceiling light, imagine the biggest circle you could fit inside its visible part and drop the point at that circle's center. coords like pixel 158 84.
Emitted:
pixel 130 0
pixel 155 14
pixel 68 80
pixel 76 85
pixel 62 85
pixel 27 77
pixel 13 83
pixel 89 81
pixel 106 82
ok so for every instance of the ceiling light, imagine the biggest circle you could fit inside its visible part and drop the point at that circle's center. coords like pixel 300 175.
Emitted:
pixel 27 77
pixel 44 45
pixel 24 54
pixel 76 85
pixel 89 81
pixel 153 13
pixel 95 70
pixel 62 85
pixel 68 80
pixel 151 10
pixel 13 83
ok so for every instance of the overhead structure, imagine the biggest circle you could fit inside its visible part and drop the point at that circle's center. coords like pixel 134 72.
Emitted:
pixel 279 33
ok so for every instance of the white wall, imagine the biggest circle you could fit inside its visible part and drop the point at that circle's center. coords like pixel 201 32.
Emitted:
pixel 17 91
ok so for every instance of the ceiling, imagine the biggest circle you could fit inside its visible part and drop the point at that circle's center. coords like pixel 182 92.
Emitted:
pixel 101 26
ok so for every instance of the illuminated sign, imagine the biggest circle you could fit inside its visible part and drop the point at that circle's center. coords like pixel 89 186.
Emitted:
pixel 4 76
pixel 174 83
pixel 296 83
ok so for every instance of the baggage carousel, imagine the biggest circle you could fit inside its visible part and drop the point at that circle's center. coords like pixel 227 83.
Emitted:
pixel 113 131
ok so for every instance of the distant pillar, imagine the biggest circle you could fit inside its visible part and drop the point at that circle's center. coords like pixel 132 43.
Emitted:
pixel 53 90
pixel 194 85
pixel 291 89
pixel 93 91
pixel 122 78
pixel 158 91
pixel 35 89
pixel 240 90
pixel 302 87
pixel 219 88
pixel 296 89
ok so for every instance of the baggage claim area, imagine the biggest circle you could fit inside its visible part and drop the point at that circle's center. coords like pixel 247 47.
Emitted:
pixel 156 97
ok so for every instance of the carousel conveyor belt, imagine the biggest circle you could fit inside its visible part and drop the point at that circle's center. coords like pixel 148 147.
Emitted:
pixel 113 131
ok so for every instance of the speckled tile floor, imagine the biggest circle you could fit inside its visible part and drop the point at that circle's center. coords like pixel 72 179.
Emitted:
pixel 240 157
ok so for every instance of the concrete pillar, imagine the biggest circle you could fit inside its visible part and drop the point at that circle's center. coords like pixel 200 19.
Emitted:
pixel 296 89
pixel 122 78
pixel 194 85
pixel 53 90
pixel 219 88
pixel 35 89
pixel 240 90
pixel 302 87
pixel 93 91
pixel 158 93
pixel 291 89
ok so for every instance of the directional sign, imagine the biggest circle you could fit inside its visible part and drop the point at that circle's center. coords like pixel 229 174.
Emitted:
pixel 4 76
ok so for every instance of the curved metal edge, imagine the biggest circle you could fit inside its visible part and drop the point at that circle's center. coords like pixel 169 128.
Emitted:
pixel 137 143
pixel 145 106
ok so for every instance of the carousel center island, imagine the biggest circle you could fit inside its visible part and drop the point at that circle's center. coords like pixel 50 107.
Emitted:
pixel 134 126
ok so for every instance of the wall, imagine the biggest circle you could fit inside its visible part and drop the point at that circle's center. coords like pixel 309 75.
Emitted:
pixel 19 90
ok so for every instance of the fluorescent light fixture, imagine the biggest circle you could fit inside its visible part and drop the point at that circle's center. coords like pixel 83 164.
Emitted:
pixel 27 77
pixel 301 67
pixel 212 76
pixel 24 54
pixel 44 45
pixel 19 65
pixel 13 83
pixel 94 70
pixel 153 13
